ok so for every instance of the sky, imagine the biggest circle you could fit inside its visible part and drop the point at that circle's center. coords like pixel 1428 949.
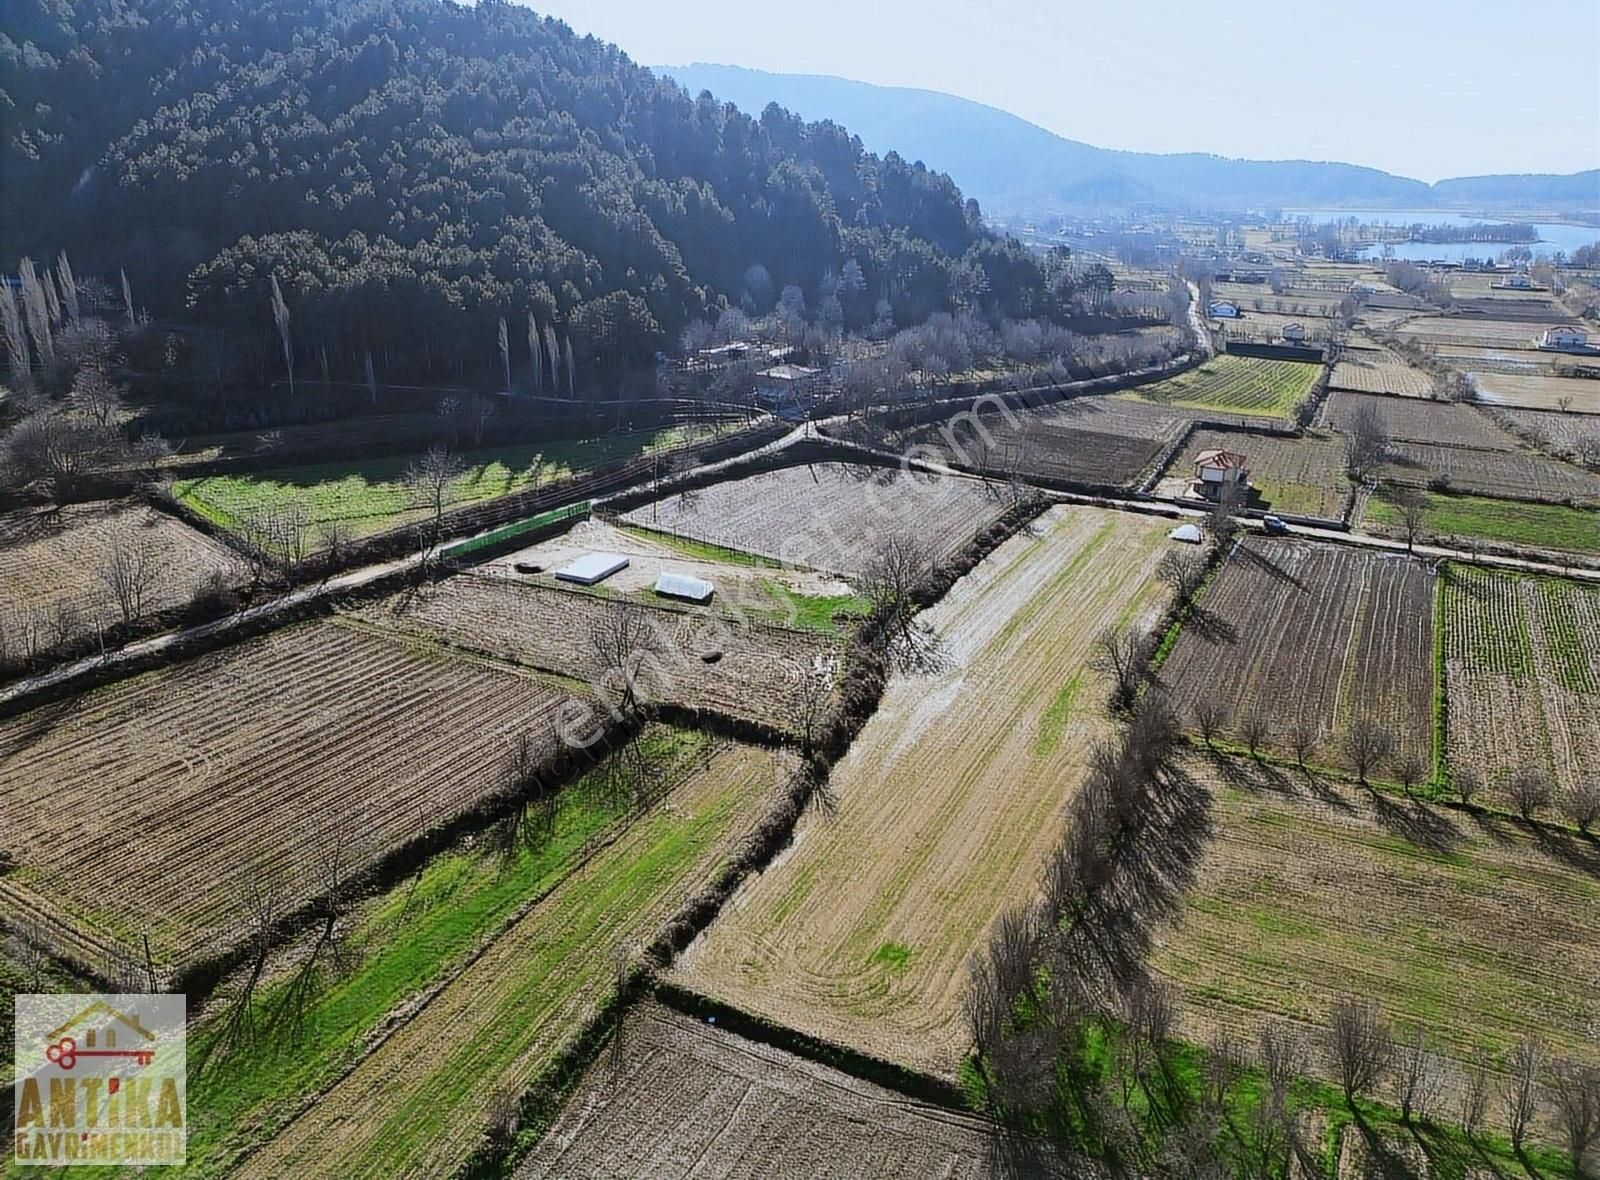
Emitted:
pixel 1421 88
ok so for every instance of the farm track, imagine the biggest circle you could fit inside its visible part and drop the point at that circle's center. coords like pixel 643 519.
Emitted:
pixel 947 803
pixel 241 765
pixel 1468 926
pixel 1319 635
pixel 1522 670
pixel 676 1099
pixel 417 1105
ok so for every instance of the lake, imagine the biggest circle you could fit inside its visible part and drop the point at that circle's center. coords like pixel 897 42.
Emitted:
pixel 1553 235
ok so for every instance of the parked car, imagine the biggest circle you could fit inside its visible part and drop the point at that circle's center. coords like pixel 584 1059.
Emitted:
pixel 1274 524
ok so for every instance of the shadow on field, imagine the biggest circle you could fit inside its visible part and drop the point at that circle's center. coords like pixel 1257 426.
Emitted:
pixel 1416 822
pixel 1251 556
pixel 1572 849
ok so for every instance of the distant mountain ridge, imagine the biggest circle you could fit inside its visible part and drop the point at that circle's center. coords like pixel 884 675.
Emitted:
pixel 1016 167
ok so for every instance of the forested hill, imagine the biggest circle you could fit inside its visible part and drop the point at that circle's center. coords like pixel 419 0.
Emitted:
pixel 412 170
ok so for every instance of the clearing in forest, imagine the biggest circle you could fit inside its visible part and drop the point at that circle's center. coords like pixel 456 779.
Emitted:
pixel 1522 672
pixel 419 1104
pixel 1235 385
pixel 1467 926
pixel 829 516
pixel 249 764
pixel 946 804
pixel 1314 634
pixel 674 1094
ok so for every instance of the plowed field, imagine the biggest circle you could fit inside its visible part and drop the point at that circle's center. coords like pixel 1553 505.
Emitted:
pixel 946 804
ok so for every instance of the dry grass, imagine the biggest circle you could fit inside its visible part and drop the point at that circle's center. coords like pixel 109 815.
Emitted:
pixel 1537 391
pixel 1469 927
pixel 946 804
pixel 1378 370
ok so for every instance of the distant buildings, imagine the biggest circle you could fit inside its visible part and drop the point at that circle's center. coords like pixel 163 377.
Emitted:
pixel 1294 333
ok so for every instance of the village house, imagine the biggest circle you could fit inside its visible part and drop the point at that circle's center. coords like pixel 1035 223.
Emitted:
pixel 1294 333
pixel 1562 336
pixel 1216 471
pixel 1221 309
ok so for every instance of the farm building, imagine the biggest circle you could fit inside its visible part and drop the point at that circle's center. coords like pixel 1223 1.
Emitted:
pixel 1294 333
pixel 592 568
pixel 1223 310
pixel 1518 282
pixel 1216 470
pixel 1563 337
pixel 684 588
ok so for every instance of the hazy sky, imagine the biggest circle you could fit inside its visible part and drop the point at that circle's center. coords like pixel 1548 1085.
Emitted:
pixel 1423 88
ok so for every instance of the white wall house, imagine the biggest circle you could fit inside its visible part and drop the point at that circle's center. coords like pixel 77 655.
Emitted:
pixel 1215 470
pixel 1564 337
pixel 1221 309
pixel 1294 333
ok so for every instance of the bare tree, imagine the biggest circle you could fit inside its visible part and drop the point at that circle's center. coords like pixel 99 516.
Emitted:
pixel 1413 507
pixel 1367 744
pixel 1121 654
pixel 1255 729
pixel 1467 783
pixel 1410 771
pixel 1575 1096
pixel 1582 803
pixel 1358 1045
pixel 1184 572
pixel 428 481
pixel 890 583
pixel 1220 521
pixel 808 701
pixel 622 641
pixel 535 363
pixel 1528 788
pixel 1366 441
pixel 129 573
pixel 1282 1057
pixel 1302 741
pixel 1519 1093
pixel 1418 1077
pixel 1210 718
pixel 503 338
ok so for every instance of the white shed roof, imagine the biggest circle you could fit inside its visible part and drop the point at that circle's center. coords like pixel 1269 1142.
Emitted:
pixel 592 568
pixel 685 587
pixel 1186 532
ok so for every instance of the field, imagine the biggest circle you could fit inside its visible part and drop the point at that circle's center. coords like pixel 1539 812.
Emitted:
pixel 415 432
pixel 753 672
pixel 417 1105
pixel 1424 421
pixel 1475 930
pixel 1532 391
pixel 1377 370
pixel 1235 385
pixel 1569 435
pixel 1314 634
pixel 684 1094
pixel 368 496
pixel 829 516
pixel 1267 328
pixel 746 587
pixel 1522 670
pixel 1472 332
pixel 1523 474
pixel 946 804
pixel 1300 476
pixel 184 785
pixel 1089 440
pixel 1455 518
pixel 53 560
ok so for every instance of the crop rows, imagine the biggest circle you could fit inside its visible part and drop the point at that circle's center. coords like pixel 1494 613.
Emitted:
pixel 1542 391
pixel 1423 421
pixel 1317 635
pixel 421 1101
pixel 1235 384
pixel 185 785
pixel 1377 370
pixel 829 516
pixel 1469 332
pixel 1523 474
pixel 1522 670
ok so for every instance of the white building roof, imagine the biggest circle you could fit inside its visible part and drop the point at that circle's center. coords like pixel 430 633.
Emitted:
pixel 787 372
pixel 592 568
pixel 1186 532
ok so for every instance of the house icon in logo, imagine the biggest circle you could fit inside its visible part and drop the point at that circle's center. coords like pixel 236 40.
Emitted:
pixel 66 1044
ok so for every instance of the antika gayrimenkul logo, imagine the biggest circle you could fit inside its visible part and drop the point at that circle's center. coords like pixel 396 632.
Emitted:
pixel 100 1079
